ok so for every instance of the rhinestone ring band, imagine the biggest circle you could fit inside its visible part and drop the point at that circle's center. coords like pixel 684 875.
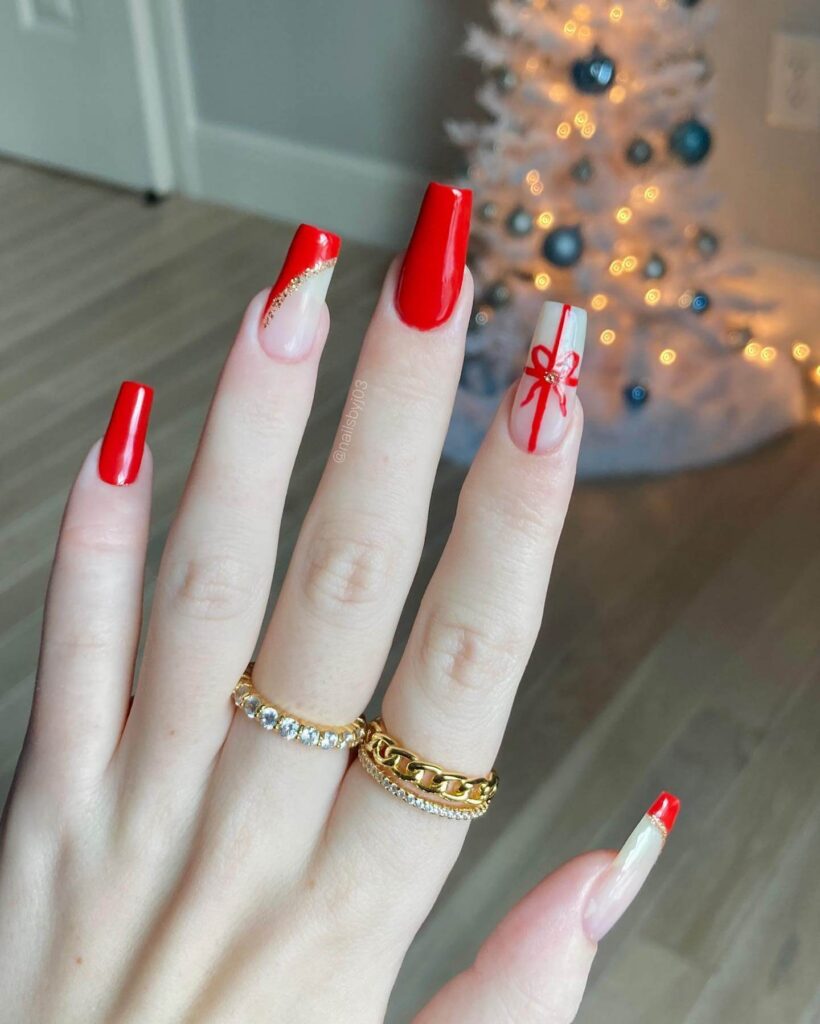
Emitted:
pixel 291 727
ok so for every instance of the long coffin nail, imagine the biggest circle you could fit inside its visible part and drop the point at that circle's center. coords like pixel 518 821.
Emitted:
pixel 621 882
pixel 291 314
pixel 433 269
pixel 124 441
pixel 546 396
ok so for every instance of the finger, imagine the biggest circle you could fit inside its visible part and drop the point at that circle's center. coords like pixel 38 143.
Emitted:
pixel 216 570
pixel 94 604
pixel 450 698
pixel 534 967
pixel 359 547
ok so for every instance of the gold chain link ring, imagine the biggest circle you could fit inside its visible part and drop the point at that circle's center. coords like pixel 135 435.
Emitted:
pixel 291 727
pixel 405 775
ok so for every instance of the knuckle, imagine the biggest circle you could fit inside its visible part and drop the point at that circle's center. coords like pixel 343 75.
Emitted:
pixel 215 588
pixel 459 654
pixel 83 539
pixel 342 573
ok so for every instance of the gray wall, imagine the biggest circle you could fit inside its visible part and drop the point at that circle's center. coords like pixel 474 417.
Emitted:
pixel 376 78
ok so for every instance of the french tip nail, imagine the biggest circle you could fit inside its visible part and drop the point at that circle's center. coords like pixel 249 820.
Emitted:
pixel 665 810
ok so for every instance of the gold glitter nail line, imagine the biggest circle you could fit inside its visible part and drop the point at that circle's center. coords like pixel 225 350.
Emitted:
pixel 294 283
pixel 664 831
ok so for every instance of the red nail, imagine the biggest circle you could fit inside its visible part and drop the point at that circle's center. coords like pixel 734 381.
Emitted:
pixel 311 251
pixel 433 268
pixel 124 441
pixel 665 810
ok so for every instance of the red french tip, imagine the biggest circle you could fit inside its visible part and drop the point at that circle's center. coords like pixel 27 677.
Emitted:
pixel 310 246
pixel 124 441
pixel 430 278
pixel 665 810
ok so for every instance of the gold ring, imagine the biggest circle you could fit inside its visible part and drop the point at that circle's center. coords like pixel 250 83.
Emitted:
pixel 420 783
pixel 292 727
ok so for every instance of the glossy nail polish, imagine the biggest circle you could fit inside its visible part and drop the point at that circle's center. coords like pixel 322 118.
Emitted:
pixel 618 886
pixel 432 272
pixel 543 404
pixel 124 441
pixel 294 306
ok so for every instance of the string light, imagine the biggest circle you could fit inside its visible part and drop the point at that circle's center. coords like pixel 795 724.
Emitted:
pixel 588 130
pixel 629 263
pixel 617 94
pixel 581 118
pixel 558 92
pixel 616 13
pixel 536 188
pixel 608 336
pixel 584 32
pixel 582 12
pixel 623 215
pixel 599 302
pixel 652 297
pixel 570 27
pixel 801 351
pixel 531 64
pixel 545 218
pixel 616 268
pixel 768 354
pixel 532 176
pixel 563 130
pixel 815 375
pixel 542 281
pixel 752 350
pixel 668 356
pixel 685 300
pixel 651 193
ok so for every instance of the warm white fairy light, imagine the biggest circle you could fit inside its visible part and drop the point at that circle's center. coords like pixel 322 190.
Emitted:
pixel 629 263
pixel 545 218
pixel 532 176
pixel 617 94
pixel 616 268
pixel 588 130
pixel 570 27
pixel 685 300
pixel 768 354
pixel 608 336
pixel 542 281
pixel 558 92
pixel 599 302
pixel 752 350
pixel 582 12
pixel 668 356
pixel 564 130
pixel 815 374
pixel 652 297
pixel 616 13
pixel 801 351
pixel 651 193
pixel 536 188
pixel 623 215
pixel 581 118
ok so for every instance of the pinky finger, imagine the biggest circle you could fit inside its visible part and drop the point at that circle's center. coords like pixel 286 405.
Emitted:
pixel 93 608
pixel 534 967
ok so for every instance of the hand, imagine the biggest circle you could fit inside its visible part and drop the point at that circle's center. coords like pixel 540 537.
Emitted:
pixel 174 861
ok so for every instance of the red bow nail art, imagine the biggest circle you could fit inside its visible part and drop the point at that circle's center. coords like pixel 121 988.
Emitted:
pixel 551 374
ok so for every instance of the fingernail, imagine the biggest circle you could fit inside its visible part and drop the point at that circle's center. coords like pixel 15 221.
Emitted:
pixel 124 441
pixel 433 269
pixel 546 396
pixel 621 882
pixel 291 314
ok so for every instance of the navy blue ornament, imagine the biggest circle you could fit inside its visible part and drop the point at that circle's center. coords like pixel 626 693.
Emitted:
pixel 564 246
pixel 688 3
pixel 505 78
pixel 582 171
pixel 700 302
pixel 639 152
pixel 519 222
pixel 707 242
pixel 636 395
pixel 593 75
pixel 480 317
pixel 690 141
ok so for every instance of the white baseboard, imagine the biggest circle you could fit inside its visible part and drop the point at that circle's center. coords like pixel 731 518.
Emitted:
pixel 361 199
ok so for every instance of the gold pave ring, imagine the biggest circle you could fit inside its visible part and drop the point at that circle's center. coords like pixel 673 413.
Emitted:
pixel 291 727
pixel 422 784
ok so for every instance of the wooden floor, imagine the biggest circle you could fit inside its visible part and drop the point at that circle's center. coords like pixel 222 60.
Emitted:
pixel 680 647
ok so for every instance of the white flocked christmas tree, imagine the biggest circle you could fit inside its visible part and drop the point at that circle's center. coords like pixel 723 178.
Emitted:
pixel 591 185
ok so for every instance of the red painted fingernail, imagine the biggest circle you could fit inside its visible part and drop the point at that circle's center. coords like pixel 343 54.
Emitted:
pixel 665 810
pixel 545 398
pixel 124 441
pixel 433 269
pixel 291 314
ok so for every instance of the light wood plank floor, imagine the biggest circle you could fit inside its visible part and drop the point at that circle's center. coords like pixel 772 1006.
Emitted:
pixel 680 646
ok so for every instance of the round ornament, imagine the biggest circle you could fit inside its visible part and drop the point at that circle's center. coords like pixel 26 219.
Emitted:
pixel 480 317
pixel 593 75
pixel 700 302
pixel 706 242
pixel 564 246
pixel 688 3
pixel 519 222
pixel 505 79
pixel 582 171
pixel 690 141
pixel 636 395
pixel 639 152
pixel 655 267
pixel 498 294
pixel 488 211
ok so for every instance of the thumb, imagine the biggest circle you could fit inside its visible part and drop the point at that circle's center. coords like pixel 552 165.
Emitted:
pixel 533 968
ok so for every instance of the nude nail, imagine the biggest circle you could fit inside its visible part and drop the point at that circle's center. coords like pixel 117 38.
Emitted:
pixel 618 886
